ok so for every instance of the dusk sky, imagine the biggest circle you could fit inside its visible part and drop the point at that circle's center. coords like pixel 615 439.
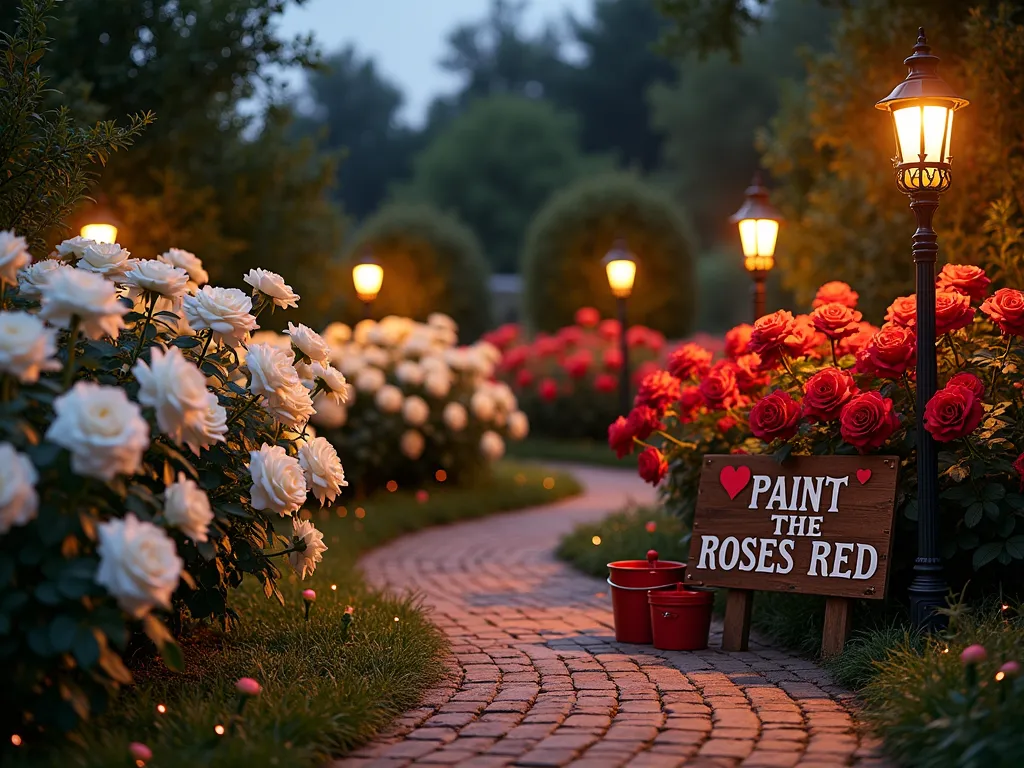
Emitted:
pixel 407 37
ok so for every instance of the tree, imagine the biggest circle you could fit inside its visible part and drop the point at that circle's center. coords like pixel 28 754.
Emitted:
pixel 495 165
pixel 356 115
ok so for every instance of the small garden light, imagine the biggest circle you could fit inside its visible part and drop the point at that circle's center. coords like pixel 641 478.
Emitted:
pixel 922 109
pixel 367 277
pixel 758 222
pixel 103 225
pixel 620 267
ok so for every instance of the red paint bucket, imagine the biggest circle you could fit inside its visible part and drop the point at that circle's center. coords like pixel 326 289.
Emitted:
pixel 680 619
pixel 631 580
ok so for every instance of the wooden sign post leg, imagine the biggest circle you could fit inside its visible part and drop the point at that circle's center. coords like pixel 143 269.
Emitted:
pixel 736 632
pixel 838 620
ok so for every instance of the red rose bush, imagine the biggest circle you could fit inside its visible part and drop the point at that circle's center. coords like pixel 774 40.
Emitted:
pixel 831 383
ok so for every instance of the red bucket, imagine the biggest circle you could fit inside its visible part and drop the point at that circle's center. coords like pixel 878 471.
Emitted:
pixel 630 581
pixel 680 619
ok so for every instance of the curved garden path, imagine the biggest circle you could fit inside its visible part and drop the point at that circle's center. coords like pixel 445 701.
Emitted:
pixel 537 679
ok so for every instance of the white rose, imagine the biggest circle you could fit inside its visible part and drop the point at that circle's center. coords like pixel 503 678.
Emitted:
pixel 309 342
pixel 225 311
pixel 324 473
pixel 278 484
pixel 138 564
pixel 389 399
pixel 103 430
pixel 329 414
pixel 351 364
pixel 176 389
pixel 14 256
pixel 409 373
pixel 412 444
pixel 442 321
pixel 518 425
pixel 93 300
pixel 33 277
pixel 270 369
pixel 369 380
pixel 291 405
pixel 482 405
pixel 415 411
pixel 455 416
pixel 337 334
pixel 27 347
pixel 209 428
pixel 187 507
pixel 75 246
pixel 417 345
pixel 435 364
pixel 488 351
pixel 336 386
pixel 106 259
pixel 361 333
pixel 503 396
pixel 19 502
pixel 437 384
pixel 491 445
pixel 376 356
pixel 191 263
pixel 304 562
pixel 273 285
pixel 159 278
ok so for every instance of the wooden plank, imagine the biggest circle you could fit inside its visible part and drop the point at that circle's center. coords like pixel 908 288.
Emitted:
pixel 736 630
pixel 812 525
pixel 838 621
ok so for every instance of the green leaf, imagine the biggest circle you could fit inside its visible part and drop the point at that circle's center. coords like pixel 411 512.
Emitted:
pixel 1015 546
pixel 47 593
pixel 991 510
pixel 86 648
pixel 986 553
pixel 973 514
pixel 993 492
pixel 62 633
pixel 173 658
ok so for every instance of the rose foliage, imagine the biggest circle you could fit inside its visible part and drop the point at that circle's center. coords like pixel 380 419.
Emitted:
pixel 829 383
pixel 151 457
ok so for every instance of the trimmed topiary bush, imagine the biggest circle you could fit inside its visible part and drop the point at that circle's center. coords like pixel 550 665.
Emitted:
pixel 432 263
pixel 562 267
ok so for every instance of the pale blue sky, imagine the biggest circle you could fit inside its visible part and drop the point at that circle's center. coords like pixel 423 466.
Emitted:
pixel 406 37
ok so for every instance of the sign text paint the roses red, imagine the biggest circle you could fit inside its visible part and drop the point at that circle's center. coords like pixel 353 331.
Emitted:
pixel 815 524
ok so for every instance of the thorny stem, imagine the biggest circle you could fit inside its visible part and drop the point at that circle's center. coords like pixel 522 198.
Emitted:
pixel 835 359
pixel 910 393
pixel 1002 361
pixel 69 368
pixel 952 346
pixel 238 414
pixel 151 307
pixel 206 347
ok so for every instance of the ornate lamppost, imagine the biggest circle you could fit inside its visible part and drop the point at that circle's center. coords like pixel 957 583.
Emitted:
pixel 620 267
pixel 758 222
pixel 367 277
pixel 922 109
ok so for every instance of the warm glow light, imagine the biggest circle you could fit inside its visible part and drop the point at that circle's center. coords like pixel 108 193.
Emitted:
pixel 342 511
pixel 161 709
pixel 334 587
pixel 15 739
pixel 440 475
pixel 1004 606
pixel 549 483
pixel 758 238
pixel 392 486
pixel 923 134
pixel 218 729
pixel 1000 675
pixel 396 618
pixel 360 513
pixel 367 279
pixel 621 273
pixel 596 541
pixel 101 233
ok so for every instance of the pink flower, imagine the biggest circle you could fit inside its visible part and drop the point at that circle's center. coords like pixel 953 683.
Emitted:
pixel 1010 669
pixel 248 687
pixel 349 610
pixel 973 654
pixel 309 595
pixel 140 751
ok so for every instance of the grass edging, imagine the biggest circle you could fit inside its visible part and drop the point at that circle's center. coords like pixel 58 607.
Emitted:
pixel 321 696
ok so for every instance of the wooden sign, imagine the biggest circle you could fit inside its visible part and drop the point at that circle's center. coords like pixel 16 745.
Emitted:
pixel 819 525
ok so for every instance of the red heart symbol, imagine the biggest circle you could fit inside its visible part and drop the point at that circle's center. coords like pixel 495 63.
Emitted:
pixel 863 475
pixel 734 479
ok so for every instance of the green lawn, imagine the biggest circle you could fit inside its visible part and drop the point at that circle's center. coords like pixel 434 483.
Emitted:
pixel 321 696
pixel 579 451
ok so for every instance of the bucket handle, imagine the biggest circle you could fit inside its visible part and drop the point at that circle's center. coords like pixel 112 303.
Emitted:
pixel 640 589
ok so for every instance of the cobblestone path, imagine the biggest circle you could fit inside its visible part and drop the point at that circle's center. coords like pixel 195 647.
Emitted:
pixel 537 679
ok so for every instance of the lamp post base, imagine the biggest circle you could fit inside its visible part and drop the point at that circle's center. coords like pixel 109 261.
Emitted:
pixel 928 592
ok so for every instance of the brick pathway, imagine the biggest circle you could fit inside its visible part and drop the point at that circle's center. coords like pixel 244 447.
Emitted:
pixel 537 679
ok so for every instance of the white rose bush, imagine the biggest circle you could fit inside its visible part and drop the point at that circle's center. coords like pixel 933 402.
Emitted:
pixel 152 456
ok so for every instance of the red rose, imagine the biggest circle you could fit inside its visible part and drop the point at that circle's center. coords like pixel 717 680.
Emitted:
pixel 652 465
pixel 826 392
pixel 836 320
pixel 605 382
pixel 970 381
pixel 867 421
pixel 726 423
pixel 750 377
pixel 836 292
pixel 953 412
pixel 903 311
pixel 891 352
pixel 718 387
pixel 1005 308
pixel 571 335
pixel 612 359
pixel 804 338
pixel 775 416
pixel 547 346
pixel 659 390
pixel 608 329
pixel 503 335
pixel 953 311
pixel 620 437
pixel 964 278
pixel 587 317
pixel 642 421
pixel 737 339
pixel 514 358
pixel 644 370
pixel 548 389
pixel 851 345
pixel 524 378
pixel 642 336
pixel 690 399
pixel 769 334
pixel 1018 467
pixel 578 363
pixel 689 361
